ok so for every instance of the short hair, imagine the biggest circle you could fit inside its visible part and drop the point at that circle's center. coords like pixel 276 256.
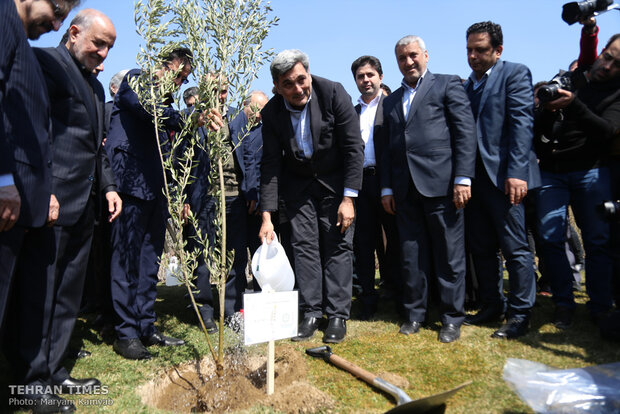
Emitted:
pixel 84 18
pixel 386 88
pixel 247 100
pixel 285 60
pixel 366 60
pixel 410 39
pixel 612 39
pixel 81 19
pixel 116 81
pixel 189 92
pixel 181 53
pixel 572 63
pixel 67 5
pixel 493 29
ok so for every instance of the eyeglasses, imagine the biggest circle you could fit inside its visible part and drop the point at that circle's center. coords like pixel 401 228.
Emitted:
pixel 57 10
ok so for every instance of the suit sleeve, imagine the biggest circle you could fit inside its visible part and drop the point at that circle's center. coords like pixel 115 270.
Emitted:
pixel 7 52
pixel 252 166
pixel 462 128
pixel 107 182
pixel 385 176
pixel 270 163
pixel 349 138
pixel 519 122
pixel 128 99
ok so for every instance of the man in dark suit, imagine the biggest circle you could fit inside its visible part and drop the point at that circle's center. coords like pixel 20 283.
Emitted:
pixel 426 170
pixel 241 188
pixel 312 157
pixel 502 100
pixel 246 135
pixel 202 206
pixel 80 171
pixel 138 234
pixel 26 203
pixel 370 216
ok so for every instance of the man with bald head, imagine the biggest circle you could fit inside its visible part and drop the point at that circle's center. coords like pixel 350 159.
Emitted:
pixel 80 170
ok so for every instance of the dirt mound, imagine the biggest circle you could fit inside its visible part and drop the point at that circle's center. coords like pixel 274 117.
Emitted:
pixel 195 387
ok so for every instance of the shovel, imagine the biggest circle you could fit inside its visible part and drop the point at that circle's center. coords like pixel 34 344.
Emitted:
pixel 404 404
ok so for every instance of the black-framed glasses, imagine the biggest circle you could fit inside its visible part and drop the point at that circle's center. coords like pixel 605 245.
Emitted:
pixel 57 10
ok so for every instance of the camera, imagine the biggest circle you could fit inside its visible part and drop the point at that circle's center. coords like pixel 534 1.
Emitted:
pixel 549 92
pixel 577 10
pixel 609 210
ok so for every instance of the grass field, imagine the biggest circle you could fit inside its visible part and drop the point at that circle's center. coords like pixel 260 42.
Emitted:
pixel 428 365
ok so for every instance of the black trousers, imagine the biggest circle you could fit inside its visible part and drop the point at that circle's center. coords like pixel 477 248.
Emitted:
pixel 323 255
pixel 236 239
pixel 368 215
pixel 30 307
pixel 73 245
pixel 432 237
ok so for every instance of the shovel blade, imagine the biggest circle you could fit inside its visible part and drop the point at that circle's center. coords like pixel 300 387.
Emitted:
pixel 432 404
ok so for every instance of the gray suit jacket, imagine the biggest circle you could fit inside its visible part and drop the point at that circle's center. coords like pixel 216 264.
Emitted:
pixel 505 126
pixel 434 144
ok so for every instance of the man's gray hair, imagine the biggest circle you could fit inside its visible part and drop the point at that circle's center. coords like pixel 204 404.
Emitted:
pixel 285 61
pixel 410 39
pixel 247 100
pixel 116 80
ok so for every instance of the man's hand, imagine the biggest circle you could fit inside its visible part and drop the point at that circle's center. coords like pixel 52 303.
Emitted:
pixel 115 205
pixel 589 23
pixel 251 207
pixel 346 214
pixel 389 205
pixel 185 213
pixel 212 118
pixel 266 229
pixel 515 189
pixel 462 194
pixel 52 214
pixel 10 203
pixel 566 97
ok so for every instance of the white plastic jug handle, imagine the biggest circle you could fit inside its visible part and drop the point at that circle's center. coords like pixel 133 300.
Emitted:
pixel 263 254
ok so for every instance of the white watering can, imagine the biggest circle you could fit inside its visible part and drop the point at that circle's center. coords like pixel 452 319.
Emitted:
pixel 271 267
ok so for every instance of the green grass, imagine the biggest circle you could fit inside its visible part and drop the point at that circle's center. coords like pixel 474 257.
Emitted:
pixel 427 364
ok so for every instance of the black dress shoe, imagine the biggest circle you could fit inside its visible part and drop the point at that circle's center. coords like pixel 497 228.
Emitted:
pixel 210 325
pixel 335 331
pixel 131 349
pixel 159 339
pixel 485 315
pixel 47 403
pixel 79 386
pixel 307 328
pixel 409 328
pixel 449 333
pixel 563 317
pixel 513 328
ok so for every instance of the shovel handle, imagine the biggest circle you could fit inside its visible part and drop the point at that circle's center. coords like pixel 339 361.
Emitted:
pixel 353 369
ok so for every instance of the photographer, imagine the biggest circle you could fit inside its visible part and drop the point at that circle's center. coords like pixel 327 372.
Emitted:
pixel 573 135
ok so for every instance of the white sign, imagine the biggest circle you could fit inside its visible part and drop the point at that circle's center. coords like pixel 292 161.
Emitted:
pixel 269 316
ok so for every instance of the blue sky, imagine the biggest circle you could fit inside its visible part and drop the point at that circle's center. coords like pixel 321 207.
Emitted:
pixel 335 32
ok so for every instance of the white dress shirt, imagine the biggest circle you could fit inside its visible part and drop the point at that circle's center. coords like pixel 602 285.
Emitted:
pixel 368 113
pixel 303 135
